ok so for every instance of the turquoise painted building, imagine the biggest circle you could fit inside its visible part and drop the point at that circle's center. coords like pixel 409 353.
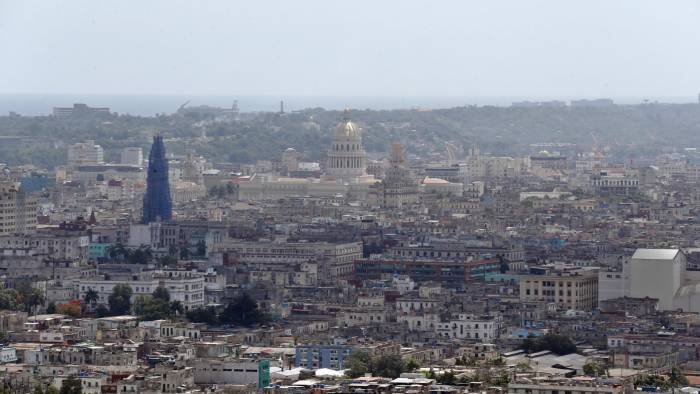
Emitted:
pixel 98 251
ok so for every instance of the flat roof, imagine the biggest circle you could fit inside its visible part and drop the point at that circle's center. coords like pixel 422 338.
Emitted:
pixel 655 254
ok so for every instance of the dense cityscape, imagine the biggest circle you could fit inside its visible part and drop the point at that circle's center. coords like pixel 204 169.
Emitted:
pixel 569 268
pixel 359 197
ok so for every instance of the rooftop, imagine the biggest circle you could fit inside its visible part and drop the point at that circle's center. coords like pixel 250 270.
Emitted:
pixel 655 254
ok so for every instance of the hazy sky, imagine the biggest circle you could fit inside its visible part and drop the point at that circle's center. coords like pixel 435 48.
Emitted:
pixel 352 48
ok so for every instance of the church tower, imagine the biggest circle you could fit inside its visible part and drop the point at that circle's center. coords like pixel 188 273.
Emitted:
pixel 346 158
pixel 157 205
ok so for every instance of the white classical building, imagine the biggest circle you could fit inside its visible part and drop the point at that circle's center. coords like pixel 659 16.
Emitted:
pixel 467 326
pixel 184 286
pixel 347 158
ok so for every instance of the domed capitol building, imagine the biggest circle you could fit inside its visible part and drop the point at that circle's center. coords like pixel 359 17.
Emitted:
pixel 345 172
pixel 347 158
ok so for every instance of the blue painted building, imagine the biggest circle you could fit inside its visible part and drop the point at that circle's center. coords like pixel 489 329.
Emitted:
pixel 322 356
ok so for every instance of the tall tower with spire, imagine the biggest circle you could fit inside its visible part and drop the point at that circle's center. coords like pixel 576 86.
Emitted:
pixel 157 205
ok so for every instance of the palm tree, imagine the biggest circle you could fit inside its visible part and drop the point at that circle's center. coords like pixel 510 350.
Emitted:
pixel 91 297
pixel 35 298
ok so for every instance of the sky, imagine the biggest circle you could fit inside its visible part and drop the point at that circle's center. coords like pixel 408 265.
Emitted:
pixel 523 48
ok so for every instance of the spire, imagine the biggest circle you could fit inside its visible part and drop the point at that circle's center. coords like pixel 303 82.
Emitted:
pixel 157 204
pixel 346 114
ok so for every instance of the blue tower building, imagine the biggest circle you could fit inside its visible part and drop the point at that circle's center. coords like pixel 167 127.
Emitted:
pixel 157 205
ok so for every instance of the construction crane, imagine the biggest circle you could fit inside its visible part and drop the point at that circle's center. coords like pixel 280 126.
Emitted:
pixel 183 106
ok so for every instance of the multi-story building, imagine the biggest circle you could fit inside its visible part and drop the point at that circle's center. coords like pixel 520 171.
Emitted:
pixel 569 289
pixel 454 250
pixel 456 273
pixel 184 286
pixel 235 371
pixel 79 109
pixel 398 189
pixel 336 259
pixel 85 153
pixel 57 244
pixel 17 210
pixel 132 156
pixel 614 182
pixel 322 356
pixel 467 326
pixel 559 386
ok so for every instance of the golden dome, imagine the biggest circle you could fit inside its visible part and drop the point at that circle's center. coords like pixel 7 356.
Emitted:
pixel 347 129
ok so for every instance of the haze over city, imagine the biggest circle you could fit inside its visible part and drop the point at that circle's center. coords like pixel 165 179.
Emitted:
pixel 533 49
pixel 286 197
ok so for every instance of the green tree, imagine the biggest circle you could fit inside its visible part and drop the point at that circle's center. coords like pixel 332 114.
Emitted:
pixel 201 248
pixel 242 311
pixel 29 296
pixel 101 311
pixel 591 368
pixel 9 299
pixel 91 298
pixel 51 308
pixel 167 261
pixel 556 343
pixel 176 308
pixel 359 363
pixel 120 300
pixel 502 380
pixel 203 315
pixel 411 365
pixel 40 389
pixel 161 293
pixel 651 381
pixel 388 366
pixel 447 377
pixel 151 308
pixel 184 252
pixel 140 255
pixel 71 385
pixel 676 378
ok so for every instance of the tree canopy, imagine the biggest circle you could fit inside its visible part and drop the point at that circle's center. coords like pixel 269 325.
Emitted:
pixel 556 343
pixel 120 300
pixel 390 366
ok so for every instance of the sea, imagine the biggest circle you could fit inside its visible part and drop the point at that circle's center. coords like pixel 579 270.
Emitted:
pixel 150 105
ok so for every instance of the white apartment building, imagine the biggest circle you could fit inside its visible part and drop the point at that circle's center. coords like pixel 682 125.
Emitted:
pixel 614 283
pixel 85 153
pixel 467 326
pixel 184 286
